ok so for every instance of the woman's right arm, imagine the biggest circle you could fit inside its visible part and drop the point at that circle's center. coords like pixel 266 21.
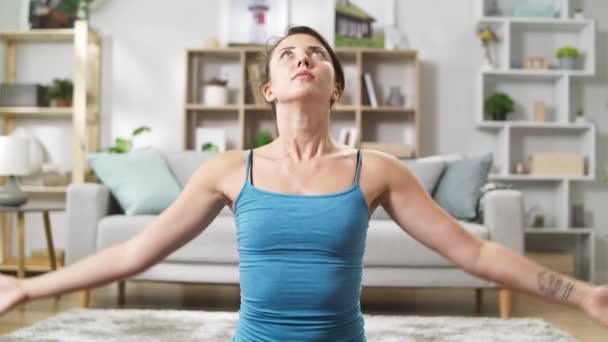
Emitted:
pixel 196 206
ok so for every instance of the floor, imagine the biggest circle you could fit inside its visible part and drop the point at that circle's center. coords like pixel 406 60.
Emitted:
pixel 373 301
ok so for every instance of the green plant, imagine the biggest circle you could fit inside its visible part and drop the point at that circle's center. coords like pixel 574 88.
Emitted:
pixel 579 113
pixel 69 6
pixel 122 145
pixel 567 52
pixel 261 139
pixel 499 105
pixel 210 147
pixel 61 89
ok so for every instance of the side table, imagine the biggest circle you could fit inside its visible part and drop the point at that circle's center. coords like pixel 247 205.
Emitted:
pixel 20 211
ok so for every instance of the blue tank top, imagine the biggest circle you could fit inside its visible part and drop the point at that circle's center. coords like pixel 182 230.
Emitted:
pixel 300 264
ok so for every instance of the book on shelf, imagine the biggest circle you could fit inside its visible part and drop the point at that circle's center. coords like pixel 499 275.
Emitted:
pixel 348 136
pixel 253 78
pixel 369 87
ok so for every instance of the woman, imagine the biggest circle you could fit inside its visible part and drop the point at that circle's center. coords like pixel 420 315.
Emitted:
pixel 302 205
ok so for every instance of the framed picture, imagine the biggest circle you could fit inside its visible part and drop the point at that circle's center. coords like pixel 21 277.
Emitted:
pixel 254 22
pixel 45 14
pixel 361 23
pixel 210 139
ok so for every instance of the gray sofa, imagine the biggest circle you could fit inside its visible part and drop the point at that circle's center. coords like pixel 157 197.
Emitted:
pixel 392 257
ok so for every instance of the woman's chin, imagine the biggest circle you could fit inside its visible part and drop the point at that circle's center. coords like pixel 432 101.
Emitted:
pixel 307 93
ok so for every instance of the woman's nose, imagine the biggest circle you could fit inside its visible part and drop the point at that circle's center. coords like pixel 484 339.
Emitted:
pixel 303 60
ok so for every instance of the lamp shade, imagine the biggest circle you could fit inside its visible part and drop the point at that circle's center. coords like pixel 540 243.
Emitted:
pixel 14 156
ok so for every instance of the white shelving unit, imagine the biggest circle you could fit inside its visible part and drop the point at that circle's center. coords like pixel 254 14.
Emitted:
pixel 520 135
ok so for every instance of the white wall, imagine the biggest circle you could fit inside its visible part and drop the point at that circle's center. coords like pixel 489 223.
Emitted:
pixel 143 72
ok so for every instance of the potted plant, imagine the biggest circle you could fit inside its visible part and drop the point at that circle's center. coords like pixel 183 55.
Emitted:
pixel 498 105
pixel 61 91
pixel 580 116
pixel 122 145
pixel 568 56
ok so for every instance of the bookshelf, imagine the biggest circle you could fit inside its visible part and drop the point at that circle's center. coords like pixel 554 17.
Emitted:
pixel 520 135
pixel 83 114
pixel 245 113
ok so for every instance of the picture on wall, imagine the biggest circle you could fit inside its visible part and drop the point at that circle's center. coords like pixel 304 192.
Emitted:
pixel 254 22
pixel 46 14
pixel 360 23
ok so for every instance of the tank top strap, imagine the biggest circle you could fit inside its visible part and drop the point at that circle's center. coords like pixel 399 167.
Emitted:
pixel 358 167
pixel 248 166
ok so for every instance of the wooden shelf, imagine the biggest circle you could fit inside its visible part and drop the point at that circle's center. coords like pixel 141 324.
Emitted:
pixel 41 189
pixel 258 107
pixel 203 107
pixel 397 67
pixel 84 114
pixel 387 109
pixel 32 264
pixel 45 35
pixel 36 111
pixel 344 108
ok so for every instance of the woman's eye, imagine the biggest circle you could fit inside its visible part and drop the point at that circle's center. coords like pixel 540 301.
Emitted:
pixel 285 53
pixel 318 53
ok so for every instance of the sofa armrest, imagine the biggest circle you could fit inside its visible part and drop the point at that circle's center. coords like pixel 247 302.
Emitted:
pixel 86 204
pixel 503 215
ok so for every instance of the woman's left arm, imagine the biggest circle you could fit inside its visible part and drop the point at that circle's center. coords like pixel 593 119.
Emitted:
pixel 416 212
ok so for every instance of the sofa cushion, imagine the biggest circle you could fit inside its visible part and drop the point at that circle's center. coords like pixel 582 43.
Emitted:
pixel 389 245
pixel 140 181
pixel 426 170
pixel 459 188
pixel 217 244
pixel 183 164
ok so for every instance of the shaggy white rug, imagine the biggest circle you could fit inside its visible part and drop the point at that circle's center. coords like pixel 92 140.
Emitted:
pixel 113 325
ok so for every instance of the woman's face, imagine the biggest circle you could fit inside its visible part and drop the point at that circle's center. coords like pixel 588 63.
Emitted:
pixel 301 69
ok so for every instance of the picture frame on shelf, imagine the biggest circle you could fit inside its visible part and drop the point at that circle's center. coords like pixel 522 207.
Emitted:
pixel 252 22
pixel 362 24
pixel 210 139
pixel 52 14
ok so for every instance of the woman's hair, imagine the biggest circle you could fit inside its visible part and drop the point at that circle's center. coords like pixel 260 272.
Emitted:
pixel 267 56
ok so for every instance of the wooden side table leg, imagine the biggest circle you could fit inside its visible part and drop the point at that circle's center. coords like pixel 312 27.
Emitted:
pixel 85 298
pixel 49 242
pixel 49 239
pixel 21 245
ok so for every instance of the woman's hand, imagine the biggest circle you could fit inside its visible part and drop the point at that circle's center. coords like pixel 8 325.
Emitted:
pixel 11 293
pixel 596 305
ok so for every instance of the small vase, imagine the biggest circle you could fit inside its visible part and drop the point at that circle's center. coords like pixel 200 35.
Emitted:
pixel 62 102
pixel 395 98
pixel 499 116
pixel 567 63
pixel 215 95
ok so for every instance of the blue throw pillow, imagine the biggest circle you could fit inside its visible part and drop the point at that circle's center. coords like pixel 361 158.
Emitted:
pixel 459 188
pixel 140 181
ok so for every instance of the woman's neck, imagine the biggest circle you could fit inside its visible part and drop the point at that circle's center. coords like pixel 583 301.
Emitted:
pixel 303 133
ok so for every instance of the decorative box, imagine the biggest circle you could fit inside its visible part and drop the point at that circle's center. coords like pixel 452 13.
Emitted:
pixel 23 95
pixel 557 164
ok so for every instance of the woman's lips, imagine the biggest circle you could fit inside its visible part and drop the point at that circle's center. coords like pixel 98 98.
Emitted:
pixel 303 74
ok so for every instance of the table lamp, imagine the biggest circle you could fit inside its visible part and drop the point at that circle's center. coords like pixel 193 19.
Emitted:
pixel 14 161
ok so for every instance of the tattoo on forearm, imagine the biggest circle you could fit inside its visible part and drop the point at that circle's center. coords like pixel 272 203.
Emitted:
pixel 554 286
